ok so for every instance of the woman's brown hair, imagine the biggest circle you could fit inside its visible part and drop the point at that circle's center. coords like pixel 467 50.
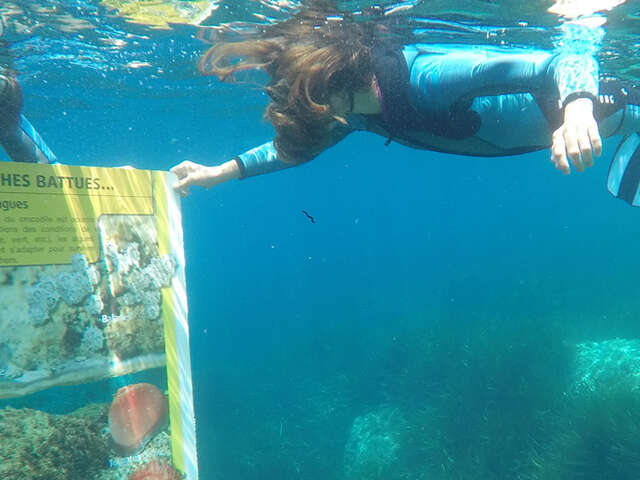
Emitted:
pixel 308 58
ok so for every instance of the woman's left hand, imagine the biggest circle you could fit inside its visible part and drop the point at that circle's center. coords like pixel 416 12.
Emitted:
pixel 578 138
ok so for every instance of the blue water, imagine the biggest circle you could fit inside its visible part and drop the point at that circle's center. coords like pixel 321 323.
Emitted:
pixel 445 287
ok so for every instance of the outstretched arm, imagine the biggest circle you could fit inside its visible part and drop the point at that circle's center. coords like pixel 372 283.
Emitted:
pixel 191 173
pixel 257 161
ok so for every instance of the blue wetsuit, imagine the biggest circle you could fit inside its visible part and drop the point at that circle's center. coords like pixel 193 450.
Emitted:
pixel 475 100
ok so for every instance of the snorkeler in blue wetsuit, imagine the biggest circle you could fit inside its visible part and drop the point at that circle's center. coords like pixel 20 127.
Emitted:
pixel 330 79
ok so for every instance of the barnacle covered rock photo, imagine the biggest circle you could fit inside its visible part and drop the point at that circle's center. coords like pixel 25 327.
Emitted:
pixel 82 321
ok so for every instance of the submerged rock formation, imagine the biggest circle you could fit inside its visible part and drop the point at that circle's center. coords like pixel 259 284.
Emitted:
pixel 35 445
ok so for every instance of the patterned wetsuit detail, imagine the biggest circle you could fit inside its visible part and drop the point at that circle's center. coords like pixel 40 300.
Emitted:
pixel 575 73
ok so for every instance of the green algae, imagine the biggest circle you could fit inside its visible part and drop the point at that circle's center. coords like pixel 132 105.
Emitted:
pixel 35 445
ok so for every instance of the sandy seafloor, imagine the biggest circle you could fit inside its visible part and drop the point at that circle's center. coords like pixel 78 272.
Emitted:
pixel 435 322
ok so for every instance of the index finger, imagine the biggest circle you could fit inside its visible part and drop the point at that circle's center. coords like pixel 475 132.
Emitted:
pixel 181 167
pixel 182 187
pixel 176 168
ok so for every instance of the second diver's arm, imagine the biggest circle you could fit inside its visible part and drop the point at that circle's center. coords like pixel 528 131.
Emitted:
pixel 18 138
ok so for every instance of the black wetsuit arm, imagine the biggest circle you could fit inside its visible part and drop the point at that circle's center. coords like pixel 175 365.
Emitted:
pixel 15 131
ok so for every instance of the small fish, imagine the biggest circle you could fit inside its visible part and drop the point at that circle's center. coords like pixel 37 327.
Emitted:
pixel 308 216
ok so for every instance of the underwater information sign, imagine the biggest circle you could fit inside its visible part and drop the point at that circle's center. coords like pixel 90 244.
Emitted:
pixel 92 289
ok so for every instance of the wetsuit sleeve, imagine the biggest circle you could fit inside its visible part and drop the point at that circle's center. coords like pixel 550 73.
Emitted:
pixel 264 159
pixel 440 79
pixel 574 74
pixel 260 160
